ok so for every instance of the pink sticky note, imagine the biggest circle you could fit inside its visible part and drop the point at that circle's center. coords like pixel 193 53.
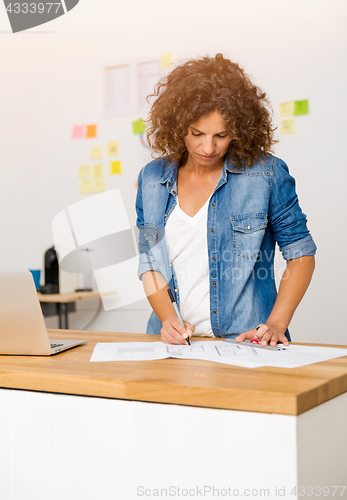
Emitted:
pixel 78 132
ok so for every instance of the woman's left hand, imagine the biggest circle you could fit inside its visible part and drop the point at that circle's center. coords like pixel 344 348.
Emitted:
pixel 269 334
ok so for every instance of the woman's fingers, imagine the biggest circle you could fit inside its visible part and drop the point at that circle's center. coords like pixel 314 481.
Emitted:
pixel 266 334
pixel 173 332
pixel 261 330
pixel 189 328
pixel 250 334
pixel 273 336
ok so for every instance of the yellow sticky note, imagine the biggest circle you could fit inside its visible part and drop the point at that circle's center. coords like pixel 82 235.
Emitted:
pixel 91 131
pixel 99 185
pixel 286 108
pixel 112 148
pixel 86 187
pixel 98 170
pixel 138 127
pixel 96 153
pixel 116 167
pixel 83 171
pixel 287 126
pixel 166 60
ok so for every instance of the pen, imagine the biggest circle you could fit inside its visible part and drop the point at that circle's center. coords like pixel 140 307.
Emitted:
pixel 278 347
pixel 177 311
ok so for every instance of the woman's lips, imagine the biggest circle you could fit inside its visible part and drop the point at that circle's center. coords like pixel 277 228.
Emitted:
pixel 207 157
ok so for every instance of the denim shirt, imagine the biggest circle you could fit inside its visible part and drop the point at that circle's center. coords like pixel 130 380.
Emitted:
pixel 250 210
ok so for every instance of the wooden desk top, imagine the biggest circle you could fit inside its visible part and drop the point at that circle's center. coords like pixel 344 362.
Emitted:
pixel 176 381
pixel 66 297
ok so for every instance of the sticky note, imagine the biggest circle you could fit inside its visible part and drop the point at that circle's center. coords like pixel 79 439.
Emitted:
pixel 78 132
pixel 287 126
pixel 99 185
pixel 91 131
pixel 112 149
pixel 83 171
pixel 86 187
pixel 286 108
pixel 96 153
pixel 98 170
pixel 166 60
pixel 138 127
pixel 301 107
pixel 116 167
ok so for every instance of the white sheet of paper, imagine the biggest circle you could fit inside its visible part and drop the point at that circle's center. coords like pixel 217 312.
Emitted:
pixel 219 352
pixel 129 351
pixel 210 351
pixel 300 355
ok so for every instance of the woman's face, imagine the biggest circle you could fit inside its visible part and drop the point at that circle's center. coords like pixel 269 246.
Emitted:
pixel 207 141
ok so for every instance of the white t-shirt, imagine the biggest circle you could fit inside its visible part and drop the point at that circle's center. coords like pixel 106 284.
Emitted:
pixel 186 243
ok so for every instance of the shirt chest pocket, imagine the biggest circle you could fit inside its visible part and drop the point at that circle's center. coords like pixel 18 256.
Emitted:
pixel 248 233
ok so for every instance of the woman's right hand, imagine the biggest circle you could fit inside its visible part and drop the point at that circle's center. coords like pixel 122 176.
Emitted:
pixel 172 331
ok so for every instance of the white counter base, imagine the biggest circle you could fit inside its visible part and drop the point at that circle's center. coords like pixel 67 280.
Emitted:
pixel 60 447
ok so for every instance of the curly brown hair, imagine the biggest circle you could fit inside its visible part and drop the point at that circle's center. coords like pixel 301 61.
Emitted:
pixel 198 87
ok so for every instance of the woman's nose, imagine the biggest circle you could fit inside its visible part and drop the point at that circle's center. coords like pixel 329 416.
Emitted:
pixel 208 146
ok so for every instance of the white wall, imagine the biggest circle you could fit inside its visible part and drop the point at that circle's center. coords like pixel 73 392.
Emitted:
pixel 51 79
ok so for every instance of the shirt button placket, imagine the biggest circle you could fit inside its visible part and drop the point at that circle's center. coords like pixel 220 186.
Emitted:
pixel 214 272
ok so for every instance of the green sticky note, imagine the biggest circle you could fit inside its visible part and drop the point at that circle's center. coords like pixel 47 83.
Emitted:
pixel 301 107
pixel 138 127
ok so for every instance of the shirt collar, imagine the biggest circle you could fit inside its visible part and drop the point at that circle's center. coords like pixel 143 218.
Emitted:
pixel 170 175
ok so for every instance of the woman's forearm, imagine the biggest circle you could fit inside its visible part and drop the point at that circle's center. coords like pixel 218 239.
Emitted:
pixel 156 290
pixel 293 285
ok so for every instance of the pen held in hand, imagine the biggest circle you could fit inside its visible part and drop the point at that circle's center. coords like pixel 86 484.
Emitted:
pixel 177 311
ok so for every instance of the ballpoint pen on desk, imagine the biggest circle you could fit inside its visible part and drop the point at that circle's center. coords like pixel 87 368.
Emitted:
pixel 256 343
pixel 177 311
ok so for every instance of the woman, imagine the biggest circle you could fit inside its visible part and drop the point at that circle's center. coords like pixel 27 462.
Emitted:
pixel 211 208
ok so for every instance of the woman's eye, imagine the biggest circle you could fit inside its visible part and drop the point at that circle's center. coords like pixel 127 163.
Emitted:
pixel 221 136
pixel 196 135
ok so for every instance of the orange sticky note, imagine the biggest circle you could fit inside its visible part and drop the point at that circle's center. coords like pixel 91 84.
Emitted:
pixel 91 131
pixel 116 167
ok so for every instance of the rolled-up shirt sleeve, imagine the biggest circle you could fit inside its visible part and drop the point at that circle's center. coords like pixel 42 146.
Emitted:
pixel 146 259
pixel 286 219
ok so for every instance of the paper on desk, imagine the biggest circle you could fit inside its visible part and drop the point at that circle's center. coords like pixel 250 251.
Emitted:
pixel 219 352
pixel 300 355
pixel 210 351
pixel 129 351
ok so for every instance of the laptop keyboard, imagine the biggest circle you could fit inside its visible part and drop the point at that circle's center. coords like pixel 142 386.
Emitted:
pixel 56 345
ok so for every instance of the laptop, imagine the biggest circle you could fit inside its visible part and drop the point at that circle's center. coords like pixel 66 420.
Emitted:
pixel 22 327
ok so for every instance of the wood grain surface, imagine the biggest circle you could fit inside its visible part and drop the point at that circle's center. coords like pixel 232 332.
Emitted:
pixel 66 297
pixel 174 381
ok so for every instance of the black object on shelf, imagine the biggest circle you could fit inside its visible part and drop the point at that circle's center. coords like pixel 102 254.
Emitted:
pixel 51 264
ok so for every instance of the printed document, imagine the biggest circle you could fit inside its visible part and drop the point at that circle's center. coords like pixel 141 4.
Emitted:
pixel 217 351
